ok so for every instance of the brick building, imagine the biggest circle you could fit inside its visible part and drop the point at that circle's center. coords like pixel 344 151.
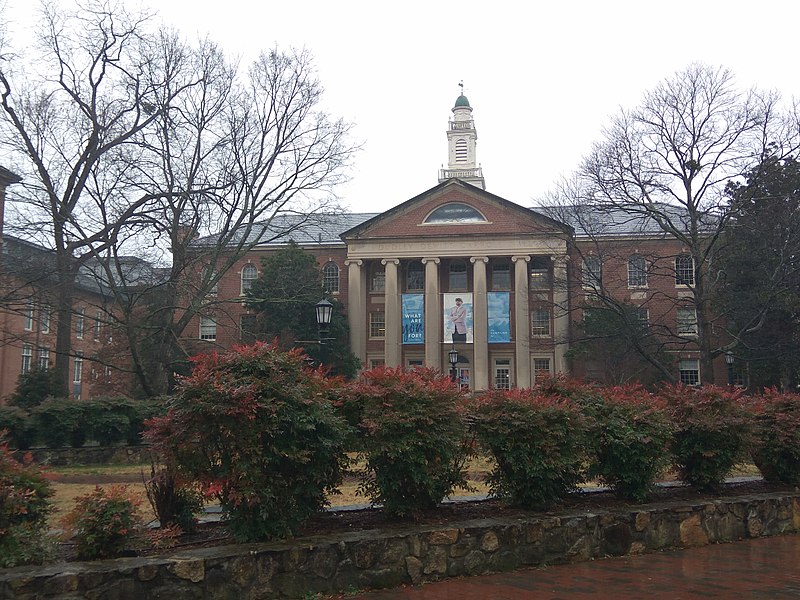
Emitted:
pixel 458 267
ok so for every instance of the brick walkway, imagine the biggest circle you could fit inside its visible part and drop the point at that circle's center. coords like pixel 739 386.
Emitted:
pixel 767 568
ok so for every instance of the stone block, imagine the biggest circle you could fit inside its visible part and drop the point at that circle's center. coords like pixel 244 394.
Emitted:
pixel 443 537
pixel 414 569
pixel 489 542
pixel 475 562
pixel 616 540
pixel 692 532
pixel 435 563
pixel 642 521
pixel 192 569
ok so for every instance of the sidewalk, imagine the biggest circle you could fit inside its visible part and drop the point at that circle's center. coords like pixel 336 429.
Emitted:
pixel 764 568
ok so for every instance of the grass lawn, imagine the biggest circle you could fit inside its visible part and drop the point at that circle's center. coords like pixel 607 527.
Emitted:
pixel 71 482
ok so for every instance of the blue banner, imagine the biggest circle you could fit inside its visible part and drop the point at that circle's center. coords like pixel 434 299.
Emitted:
pixel 499 316
pixel 413 318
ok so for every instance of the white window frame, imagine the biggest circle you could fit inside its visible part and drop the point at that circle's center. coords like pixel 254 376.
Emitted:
pixel 377 279
pixel 592 272
pixel 540 326
pixel 98 320
pixel 637 273
pixel 503 373
pixel 44 318
pixel 26 362
pixel 77 368
pixel 208 329
pixel 535 371
pixel 80 323
pixel 28 326
pixel 330 277
pixel 689 371
pixel 43 359
pixel 376 325
pixel 684 274
pixel 686 319
pixel 248 275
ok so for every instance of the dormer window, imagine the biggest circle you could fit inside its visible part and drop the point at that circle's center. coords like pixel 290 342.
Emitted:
pixel 455 212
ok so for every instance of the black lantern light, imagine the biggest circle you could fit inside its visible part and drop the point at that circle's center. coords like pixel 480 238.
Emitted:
pixel 452 356
pixel 324 311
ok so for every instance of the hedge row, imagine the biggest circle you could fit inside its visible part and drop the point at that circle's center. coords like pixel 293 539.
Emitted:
pixel 59 422
pixel 265 435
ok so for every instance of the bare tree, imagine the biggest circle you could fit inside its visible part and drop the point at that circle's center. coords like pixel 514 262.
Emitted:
pixel 668 162
pixel 237 160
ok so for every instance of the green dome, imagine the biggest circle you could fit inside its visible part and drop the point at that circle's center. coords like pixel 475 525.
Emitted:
pixel 462 101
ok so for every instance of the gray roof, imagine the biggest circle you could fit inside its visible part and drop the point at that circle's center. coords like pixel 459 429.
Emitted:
pixel 613 221
pixel 320 229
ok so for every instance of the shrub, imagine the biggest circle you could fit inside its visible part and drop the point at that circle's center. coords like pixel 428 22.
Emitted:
pixel 253 426
pixel 776 444
pixel 139 412
pixel 629 435
pixel 413 437
pixel 107 421
pixel 33 388
pixel 710 432
pixel 538 443
pixel 24 506
pixel 103 522
pixel 19 427
pixel 61 421
pixel 172 501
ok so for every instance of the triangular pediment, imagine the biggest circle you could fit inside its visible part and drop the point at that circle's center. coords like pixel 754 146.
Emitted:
pixel 456 209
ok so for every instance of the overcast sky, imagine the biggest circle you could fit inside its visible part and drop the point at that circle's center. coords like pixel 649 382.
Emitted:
pixel 542 78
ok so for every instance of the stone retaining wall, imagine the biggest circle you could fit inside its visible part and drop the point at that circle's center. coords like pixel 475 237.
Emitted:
pixel 387 558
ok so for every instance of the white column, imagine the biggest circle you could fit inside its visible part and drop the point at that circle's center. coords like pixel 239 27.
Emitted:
pixel 522 328
pixel 560 313
pixel 392 341
pixel 433 315
pixel 480 321
pixel 357 309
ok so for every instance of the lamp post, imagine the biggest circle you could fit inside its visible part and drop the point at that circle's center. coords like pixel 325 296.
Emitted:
pixel 452 356
pixel 729 361
pixel 324 310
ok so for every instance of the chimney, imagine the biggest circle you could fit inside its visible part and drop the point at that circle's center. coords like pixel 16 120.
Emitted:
pixel 6 178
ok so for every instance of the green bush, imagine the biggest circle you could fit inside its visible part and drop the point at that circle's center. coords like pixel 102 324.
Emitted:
pixel 24 506
pixel 33 388
pixel 107 420
pixel 60 422
pixel 776 444
pixel 19 426
pixel 103 522
pixel 139 412
pixel 710 433
pixel 255 428
pixel 629 435
pixel 538 442
pixel 413 437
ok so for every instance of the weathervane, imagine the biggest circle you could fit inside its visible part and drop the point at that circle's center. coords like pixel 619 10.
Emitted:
pixel 461 83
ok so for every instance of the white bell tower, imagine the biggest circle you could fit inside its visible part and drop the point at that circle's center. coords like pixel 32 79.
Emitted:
pixel 461 141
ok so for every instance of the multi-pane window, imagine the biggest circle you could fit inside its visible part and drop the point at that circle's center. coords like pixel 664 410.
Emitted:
pixel 208 276
pixel 98 319
pixel 377 279
pixel 80 323
pixel 637 271
pixel 540 323
pixel 27 358
pixel 457 275
pixel 689 372
pixel 684 270
pixel 415 276
pixel 330 277
pixel 642 316
pixel 377 325
pixel 687 321
pixel 249 275
pixel 374 363
pixel 29 316
pixel 502 374
pixel 43 362
pixel 539 273
pixel 77 371
pixel 592 273
pixel 208 329
pixel 501 275
pixel 541 368
pixel 247 327
pixel 44 318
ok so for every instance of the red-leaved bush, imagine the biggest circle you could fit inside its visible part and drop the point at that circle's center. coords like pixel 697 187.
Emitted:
pixel 255 428
pixel 776 440
pixel 412 437
pixel 538 442
pixel 711 431
pixel 629 434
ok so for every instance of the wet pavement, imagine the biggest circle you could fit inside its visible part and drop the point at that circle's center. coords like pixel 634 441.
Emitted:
pixel 760 568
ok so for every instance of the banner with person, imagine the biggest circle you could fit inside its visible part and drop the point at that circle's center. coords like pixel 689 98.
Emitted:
pixel 457 318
